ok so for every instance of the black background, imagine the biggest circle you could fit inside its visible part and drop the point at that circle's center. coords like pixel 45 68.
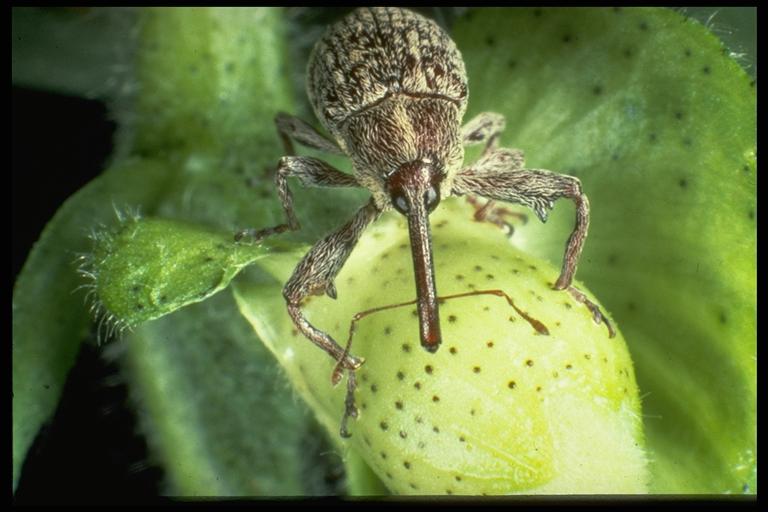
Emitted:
pixel 90 451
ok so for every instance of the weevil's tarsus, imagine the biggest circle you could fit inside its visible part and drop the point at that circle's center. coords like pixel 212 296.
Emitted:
pixel 350 409
pixel 597 315
pixel 325 342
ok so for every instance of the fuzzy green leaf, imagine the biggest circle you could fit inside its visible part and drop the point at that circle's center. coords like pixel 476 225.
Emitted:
pixel 210 81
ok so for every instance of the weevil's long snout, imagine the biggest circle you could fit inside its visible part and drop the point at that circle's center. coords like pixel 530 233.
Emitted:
pixel 414 189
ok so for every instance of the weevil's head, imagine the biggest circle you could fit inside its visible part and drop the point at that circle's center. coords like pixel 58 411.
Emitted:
pixel 414 188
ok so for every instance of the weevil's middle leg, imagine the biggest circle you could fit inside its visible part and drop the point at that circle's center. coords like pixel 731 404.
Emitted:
pixel 496 215
pixel 485 128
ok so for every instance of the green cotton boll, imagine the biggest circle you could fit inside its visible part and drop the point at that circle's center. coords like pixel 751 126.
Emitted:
pixel 149 267
pixel 499 408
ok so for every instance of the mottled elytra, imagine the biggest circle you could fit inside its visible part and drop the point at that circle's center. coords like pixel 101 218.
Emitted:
pixel 390 87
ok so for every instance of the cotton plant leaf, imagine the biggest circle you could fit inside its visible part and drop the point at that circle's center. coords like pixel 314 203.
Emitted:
pixel 50 318
pixel 648 109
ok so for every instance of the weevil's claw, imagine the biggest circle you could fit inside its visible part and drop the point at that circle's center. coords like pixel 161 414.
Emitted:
pixel 350 409
pixel 336 375
pixel 597 315
pixel 250 236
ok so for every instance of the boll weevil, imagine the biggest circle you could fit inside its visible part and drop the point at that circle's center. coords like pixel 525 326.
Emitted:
pixel 390 87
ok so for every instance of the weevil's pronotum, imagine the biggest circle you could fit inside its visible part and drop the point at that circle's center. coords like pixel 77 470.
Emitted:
pixel 390 87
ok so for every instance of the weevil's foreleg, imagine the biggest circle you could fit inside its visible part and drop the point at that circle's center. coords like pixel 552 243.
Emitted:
pixel 311 172
pixel 292 128
pixel 537 189
pixel 314 275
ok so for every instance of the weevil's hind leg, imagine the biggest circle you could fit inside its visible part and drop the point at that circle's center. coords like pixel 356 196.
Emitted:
pixel 485 128
pixel 292 128
pixel 496 215
pixel 537 189
pixel 314 275
pixel 311 172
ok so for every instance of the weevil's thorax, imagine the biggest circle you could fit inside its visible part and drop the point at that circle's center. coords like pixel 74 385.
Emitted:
pixel 401 130
pixel 391 87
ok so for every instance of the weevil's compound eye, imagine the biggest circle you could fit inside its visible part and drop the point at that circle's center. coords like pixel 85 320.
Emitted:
pixel 400 203
pixel 431 199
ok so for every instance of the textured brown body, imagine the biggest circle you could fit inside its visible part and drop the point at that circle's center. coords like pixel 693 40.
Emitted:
pixel 391 87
